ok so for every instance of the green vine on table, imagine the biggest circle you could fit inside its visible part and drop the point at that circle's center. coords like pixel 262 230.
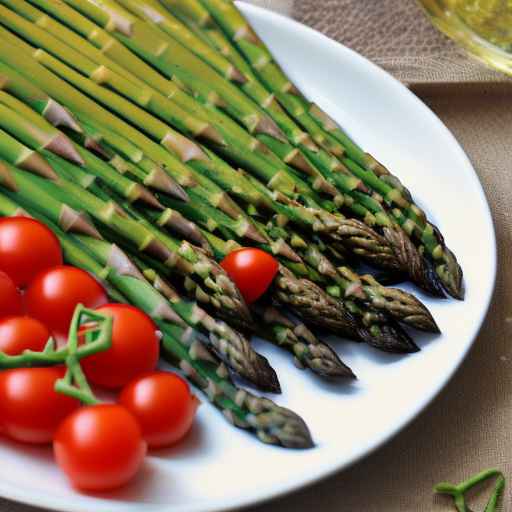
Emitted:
pixel 458 491
pixel 97 337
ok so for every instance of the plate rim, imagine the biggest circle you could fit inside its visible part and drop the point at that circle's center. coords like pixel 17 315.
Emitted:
pixel 325 471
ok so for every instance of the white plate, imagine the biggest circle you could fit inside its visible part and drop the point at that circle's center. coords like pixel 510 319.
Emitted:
pixel 219 467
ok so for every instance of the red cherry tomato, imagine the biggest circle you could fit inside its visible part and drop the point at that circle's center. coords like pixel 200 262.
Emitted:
pixel 53 296
pixel 252 270
pixel 19 333
pixel 163 405
pixel 135 348
pixel 99 447
pixel 30 408
pixel 27 247
pixel 10 298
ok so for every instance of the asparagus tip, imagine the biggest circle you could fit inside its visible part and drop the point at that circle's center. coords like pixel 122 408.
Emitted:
pixel 36 164
pixel 252 233
pixel 283 249
pixel 308 143
pixel 419 269
pixel 58 115
pixel 390 338
pixel 62 146
pixel 77 222
pixel 284 427
pixel 267 126
pixel 149 198
pixel 7 180
pixel 236 75
pixel 451 275
pixel 161 181
pixel 330 365
pixel 267 376
pixel 94 146
pixel 300 162
pixel 212 134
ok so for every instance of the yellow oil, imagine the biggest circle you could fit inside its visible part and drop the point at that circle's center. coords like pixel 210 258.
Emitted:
pixel 484 27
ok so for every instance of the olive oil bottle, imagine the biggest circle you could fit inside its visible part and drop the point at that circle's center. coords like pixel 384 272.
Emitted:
pixel 484 27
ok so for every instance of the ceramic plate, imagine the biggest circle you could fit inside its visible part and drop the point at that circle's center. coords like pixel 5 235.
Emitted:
pixel 219 467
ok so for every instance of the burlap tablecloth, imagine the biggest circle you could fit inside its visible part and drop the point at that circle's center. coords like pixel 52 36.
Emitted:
pixel 468 427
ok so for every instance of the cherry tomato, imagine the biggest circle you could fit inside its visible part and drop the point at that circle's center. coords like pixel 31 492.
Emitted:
pixel 99 447
pixel 27 247
pixel 163 405
pixel 252 270
pixel 10 298
pixel 19 333
pixel 53 296
pixel 135 348
pixel 30 408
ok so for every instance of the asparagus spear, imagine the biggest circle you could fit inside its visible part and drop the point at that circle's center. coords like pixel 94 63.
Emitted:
pixel 153 125
pixel 262 63
pixel 152 11
pixel 174 222
pixel 206 269
pixel 127 158
pixel 80 104
pixel 242 227
pixel 295 337
pixel 33 130
pixel 167 218
pixel 290 334
pixel 392 251
pixel 419 271
pixel 60 213
pixel 364 242
pixel 42 39
pixel 303 297
pixel 285 151
pixel 270 422
pixel 250 233
pixel 25 158
pixel 15 84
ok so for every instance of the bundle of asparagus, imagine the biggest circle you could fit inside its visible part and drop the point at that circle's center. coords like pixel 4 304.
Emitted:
pixel 155 138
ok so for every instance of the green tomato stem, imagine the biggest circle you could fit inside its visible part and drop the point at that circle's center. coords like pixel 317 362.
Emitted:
pixel 458 491
pixel 74 383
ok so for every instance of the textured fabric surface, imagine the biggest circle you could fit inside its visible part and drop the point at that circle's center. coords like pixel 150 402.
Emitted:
pixel 469 426
pixel 395 34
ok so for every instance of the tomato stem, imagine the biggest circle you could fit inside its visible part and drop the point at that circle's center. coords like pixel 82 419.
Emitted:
pixel 75 384
pixel 97 339
pixel 458 491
